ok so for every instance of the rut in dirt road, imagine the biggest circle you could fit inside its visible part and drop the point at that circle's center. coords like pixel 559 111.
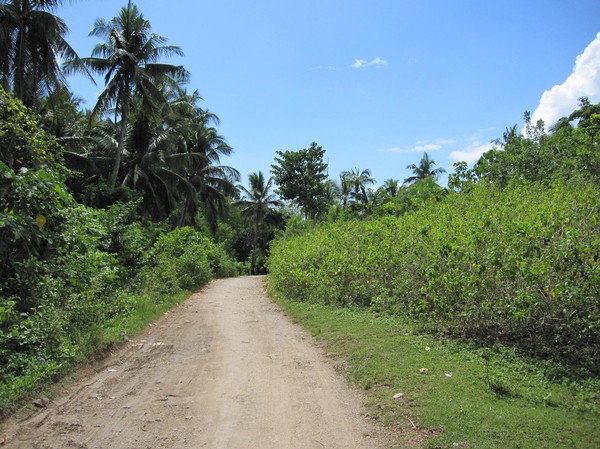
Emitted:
pixel 223 370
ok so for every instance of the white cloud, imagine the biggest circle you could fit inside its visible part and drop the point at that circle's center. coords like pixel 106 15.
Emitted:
pixel 472 153
pixel 323 67
pixel 426 147
pixel 420 146
pixel 562 99
pixel 376 62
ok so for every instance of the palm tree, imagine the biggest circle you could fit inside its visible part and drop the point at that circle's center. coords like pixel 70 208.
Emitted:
pixel 357 181
pixel 257 203
pixel 128 59
pixel 60 113
pixel 194 134
pixel 391 187
pixel 424 170
pixel 32 42
pixel 343 189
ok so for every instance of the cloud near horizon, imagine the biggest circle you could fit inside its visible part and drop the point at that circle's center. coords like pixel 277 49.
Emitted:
pixel 376 62
pixel 420 146
pixel 562 99
pixel 471 153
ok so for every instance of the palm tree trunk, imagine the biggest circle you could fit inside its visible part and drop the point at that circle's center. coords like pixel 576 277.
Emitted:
pixel 121 143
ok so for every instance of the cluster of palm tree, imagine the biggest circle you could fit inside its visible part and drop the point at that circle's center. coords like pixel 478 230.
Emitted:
pixel 353 186
pixel 32 42
pixel 353 190
pixel 145 132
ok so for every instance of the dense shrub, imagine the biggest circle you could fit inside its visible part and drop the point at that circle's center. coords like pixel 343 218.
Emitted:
pixel 184 259
pixel 104 267
pixel 519 266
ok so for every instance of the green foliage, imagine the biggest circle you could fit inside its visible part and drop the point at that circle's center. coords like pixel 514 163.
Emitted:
pixel 32 193
pixel 569 150
pixel 29 217
pixel 518 265
pixel 184 259
pixel 353 187
pixel 22 142
pixel 300 176
pixel 409 198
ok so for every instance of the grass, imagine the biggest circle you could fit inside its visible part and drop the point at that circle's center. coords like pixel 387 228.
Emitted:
pixel 145 310
pixel 469 397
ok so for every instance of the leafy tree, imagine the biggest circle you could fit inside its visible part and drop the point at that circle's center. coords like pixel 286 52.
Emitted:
pixel 409 198
pixel 568 150
pixel 32 42
pixel 129 60
pixel 424 170
pixel 463 178
pixel 300 176
pixel 258 203
pixel 214 182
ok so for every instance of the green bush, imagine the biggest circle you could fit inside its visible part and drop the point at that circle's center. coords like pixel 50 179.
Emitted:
pixel 518 266
pixel 179 260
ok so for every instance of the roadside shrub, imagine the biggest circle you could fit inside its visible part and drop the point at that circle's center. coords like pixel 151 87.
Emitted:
pixel 178 261
pixel 519 266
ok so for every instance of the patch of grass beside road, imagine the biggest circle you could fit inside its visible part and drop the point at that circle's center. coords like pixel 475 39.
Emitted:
pixel 445 394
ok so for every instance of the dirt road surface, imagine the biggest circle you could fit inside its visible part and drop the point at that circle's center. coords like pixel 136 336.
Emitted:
pixel 223 370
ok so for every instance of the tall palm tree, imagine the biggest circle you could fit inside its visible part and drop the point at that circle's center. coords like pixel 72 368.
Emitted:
pixel 344 189
pixel 358 180
pixel 32 42
pixel 129 60
pixel 257 204
pixel 391 187
pixel 60 113
pixel 424 170
pixel 195 135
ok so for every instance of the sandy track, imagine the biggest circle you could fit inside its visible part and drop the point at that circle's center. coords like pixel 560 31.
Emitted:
pixel 225 369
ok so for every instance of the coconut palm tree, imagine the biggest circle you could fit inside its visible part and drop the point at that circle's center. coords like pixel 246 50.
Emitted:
pixel 344 189
pixel 424 170
pixel 194 132
pixel 32 42
pixel 60 113
pixel 391 187
pixel 358 180
pixel 174 159
pixel 128 59
pixel 257 203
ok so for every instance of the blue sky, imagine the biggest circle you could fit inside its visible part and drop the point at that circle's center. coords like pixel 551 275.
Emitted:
pixel 374 82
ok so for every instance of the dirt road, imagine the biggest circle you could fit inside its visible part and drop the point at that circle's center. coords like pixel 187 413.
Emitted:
pixel 224 370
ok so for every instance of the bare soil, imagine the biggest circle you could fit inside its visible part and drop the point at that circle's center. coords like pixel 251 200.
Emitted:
pixel 225 369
